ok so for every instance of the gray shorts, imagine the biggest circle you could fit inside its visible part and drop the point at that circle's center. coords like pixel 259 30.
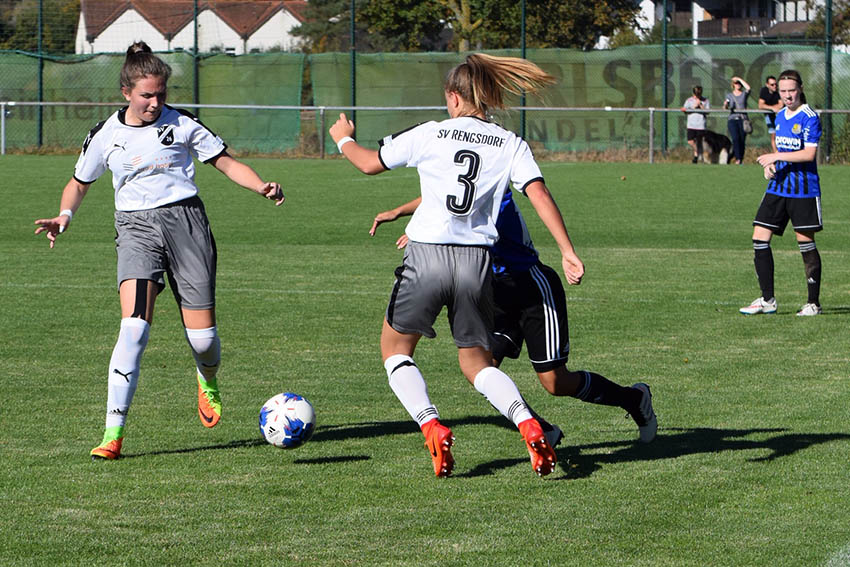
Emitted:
pixel 173 239
pixel 434 275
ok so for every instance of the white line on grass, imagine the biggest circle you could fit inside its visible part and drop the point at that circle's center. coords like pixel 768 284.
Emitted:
pixel 841 558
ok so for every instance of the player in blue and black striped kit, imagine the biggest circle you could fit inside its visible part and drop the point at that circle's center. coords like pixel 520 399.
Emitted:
pixel 793 193
pixel 531 307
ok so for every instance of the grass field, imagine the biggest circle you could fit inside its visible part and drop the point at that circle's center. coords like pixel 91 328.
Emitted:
pixel 750 466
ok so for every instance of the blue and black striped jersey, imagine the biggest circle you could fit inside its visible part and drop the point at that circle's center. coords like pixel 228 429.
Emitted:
pixel 513 250
pixel 794 131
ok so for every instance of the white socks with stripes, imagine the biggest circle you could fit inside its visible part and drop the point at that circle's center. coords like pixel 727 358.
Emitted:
pixel 124 369
pixel 502 393
pixel 409 387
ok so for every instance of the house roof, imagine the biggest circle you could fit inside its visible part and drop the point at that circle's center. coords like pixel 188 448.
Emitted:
pixel 170 16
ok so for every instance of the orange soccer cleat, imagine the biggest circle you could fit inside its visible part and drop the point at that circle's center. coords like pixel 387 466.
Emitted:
pixel 438 441
pixel 209 402
pixel 109 450
pixel 542 455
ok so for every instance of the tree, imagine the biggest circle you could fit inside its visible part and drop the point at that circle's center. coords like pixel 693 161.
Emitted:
pixel 551 23
pixel 840 23
pixel 406 25
pixel 654 37
pixel 465 26
pixel 479 24
pixel 579 24
pixel 59 26
pixel 328 27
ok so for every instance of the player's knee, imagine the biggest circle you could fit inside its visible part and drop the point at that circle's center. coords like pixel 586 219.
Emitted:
pixel 134 333
pixel 205 343
pixel 396 362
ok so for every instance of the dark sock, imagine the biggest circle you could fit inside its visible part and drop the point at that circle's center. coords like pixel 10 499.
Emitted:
pixel 811 260
pixel 763 260
pixel 597 389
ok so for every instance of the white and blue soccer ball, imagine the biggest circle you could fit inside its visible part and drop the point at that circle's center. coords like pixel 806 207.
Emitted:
pixel 287 420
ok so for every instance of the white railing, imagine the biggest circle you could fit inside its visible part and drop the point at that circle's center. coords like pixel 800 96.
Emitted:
pixel 5 106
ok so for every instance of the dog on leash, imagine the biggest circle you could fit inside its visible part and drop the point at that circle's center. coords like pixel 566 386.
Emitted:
pixel 716 147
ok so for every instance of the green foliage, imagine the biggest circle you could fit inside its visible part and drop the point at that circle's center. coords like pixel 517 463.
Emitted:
pixel 625 38
pixel 656 34
pixel 840 22
pixel 405 25
pixel 749 468
pixel 19 29
pixel 328 27
pixel 393 25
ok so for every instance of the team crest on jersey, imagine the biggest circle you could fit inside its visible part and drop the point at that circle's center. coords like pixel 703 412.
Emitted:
pixel 796 128
pixel 166 134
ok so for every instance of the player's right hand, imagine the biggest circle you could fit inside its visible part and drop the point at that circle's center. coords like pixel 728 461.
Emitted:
pixel 573 270
pixel 52 227
pixel 341 128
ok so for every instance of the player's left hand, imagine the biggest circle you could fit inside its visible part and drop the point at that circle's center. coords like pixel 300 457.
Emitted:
pixel 272 191
pixel 767 159
pixel 381 218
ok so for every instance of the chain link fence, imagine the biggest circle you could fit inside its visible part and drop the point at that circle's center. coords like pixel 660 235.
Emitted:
pixel 274 102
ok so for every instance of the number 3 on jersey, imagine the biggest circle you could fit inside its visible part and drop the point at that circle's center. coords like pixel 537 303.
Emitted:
pixel 472 162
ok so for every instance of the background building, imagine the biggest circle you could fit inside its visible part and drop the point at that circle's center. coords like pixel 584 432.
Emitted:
pixel 232 26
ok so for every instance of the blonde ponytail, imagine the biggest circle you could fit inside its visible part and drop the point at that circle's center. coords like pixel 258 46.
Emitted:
pixel 481 79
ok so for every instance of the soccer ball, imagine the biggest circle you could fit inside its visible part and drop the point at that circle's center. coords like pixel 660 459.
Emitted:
pixel 287 420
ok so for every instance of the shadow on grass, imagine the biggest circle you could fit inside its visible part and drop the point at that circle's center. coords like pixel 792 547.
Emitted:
pixel 574 461
pixel 580 461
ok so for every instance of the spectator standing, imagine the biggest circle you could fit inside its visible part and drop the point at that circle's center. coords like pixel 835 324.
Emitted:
pixel 696 120
pixel 736 103
pixel 769 100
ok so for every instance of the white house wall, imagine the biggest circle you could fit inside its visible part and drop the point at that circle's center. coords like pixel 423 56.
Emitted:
pixel 214 33
pixel 129 27
pixel 274 33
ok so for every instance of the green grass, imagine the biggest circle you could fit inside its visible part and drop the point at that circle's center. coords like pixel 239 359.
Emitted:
pixel 750 466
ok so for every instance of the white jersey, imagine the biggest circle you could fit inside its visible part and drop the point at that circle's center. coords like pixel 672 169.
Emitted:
pixel 151 165
pixel 465 165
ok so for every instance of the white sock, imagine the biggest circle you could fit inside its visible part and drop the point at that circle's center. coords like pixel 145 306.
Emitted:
pixel 124 368
pixel 206 348
pixel 410 388
pixel 502 393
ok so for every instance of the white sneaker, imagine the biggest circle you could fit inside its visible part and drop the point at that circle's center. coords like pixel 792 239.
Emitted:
pixel 760 306
pixel 809 309
pixel 646 420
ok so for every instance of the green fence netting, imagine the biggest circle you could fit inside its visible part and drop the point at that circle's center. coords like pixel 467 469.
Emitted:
pixel 256 79
pixel 624 77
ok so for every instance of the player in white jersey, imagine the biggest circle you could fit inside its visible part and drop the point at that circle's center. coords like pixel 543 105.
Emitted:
pixel 465 164
pixel 161 227
pixel 793 193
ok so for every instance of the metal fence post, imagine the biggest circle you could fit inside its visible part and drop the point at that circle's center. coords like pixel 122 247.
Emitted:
pixel 2 128
pixel 651 133
pixel 321 132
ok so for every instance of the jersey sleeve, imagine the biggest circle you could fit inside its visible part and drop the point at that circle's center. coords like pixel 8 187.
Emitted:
pixel 92 161
pixel 811 130
pixel 524 170
pixel 404 148
pixel 203 143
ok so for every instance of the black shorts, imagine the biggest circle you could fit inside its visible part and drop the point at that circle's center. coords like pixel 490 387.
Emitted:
pixel 531 306
pixel 697 135
pixel 775 211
